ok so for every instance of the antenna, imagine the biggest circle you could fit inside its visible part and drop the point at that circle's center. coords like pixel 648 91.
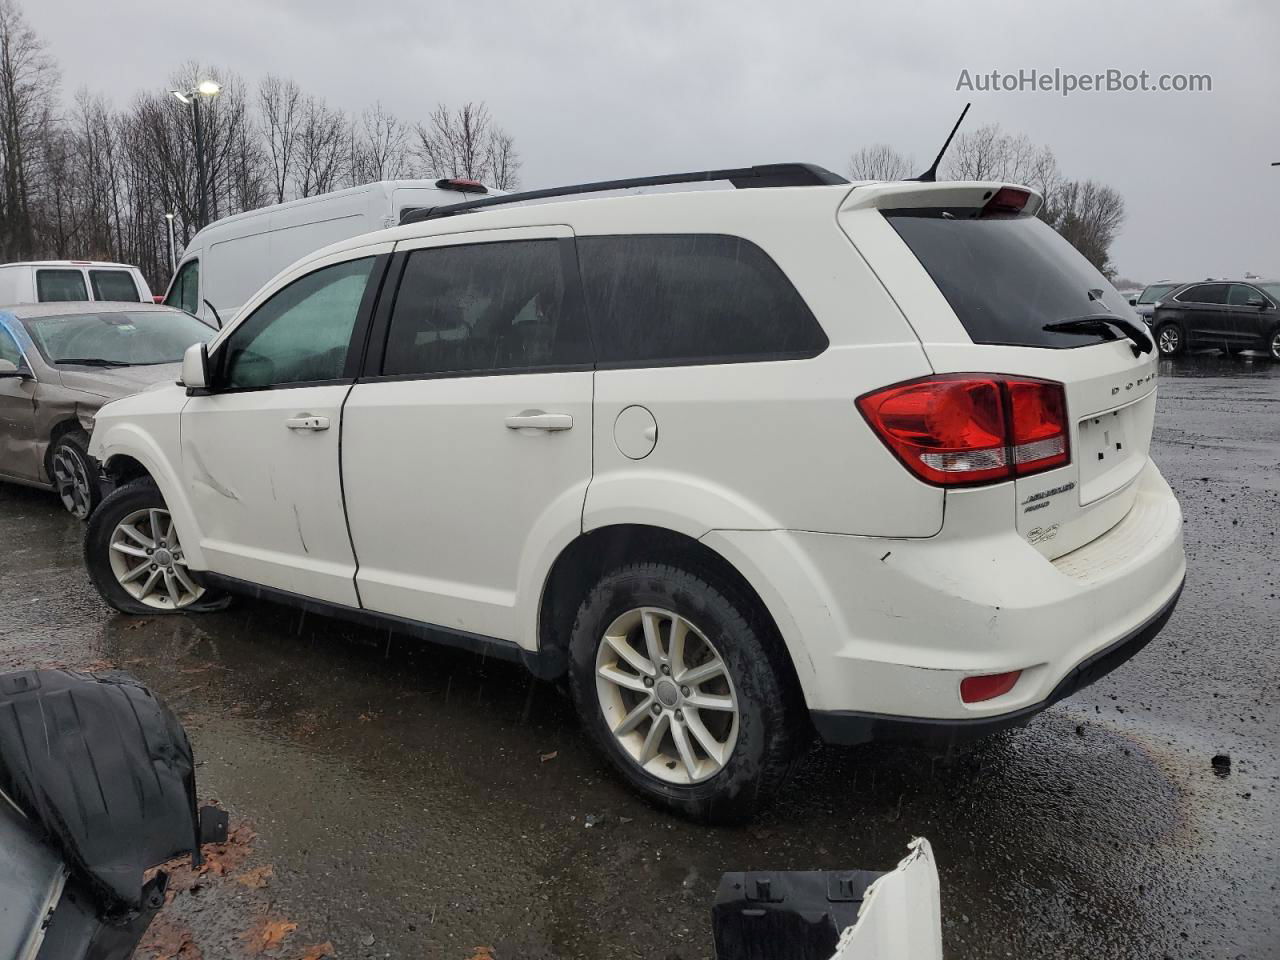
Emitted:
pixel 930 175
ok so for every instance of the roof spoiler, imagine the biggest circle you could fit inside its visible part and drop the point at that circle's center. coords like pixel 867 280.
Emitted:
pixel 768 175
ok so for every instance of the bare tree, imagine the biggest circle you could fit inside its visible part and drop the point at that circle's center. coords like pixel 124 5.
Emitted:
pixel 28 89
pixel 280 103
pixel 988 153
pixel 1088 214
pixel 879 162
pixel 379 147
pixel 466 143
pixel 320 149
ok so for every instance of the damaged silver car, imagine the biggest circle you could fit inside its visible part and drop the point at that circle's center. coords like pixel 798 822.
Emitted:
pixel 60 362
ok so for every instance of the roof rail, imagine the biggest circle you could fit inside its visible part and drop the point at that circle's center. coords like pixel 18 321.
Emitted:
pixel 767 175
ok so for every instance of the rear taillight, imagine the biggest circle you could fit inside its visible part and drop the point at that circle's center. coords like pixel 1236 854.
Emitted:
pixel 988 686
pixel 967 429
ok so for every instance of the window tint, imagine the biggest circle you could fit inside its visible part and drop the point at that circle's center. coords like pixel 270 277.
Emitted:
pixel 9 348
pixel 484 307
pixel 1241 294
pixel 1006 278
pixel 302 333
pixel 184 292
pixel 692 298
pixel 113 285
pixel 1205 293
pixel 56 286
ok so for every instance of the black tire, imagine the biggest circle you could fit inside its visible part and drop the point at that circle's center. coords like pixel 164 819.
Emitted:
pixel 75 474
pixel 141 494
pixel 1273 343
pixel 1173 345
pixel 772 728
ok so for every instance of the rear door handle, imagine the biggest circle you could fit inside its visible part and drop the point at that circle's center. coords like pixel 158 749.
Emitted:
pixel 537 420
pixel 307 423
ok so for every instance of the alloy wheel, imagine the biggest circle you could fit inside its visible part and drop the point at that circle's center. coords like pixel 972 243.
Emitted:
pixel 666 695
pixel 1275 345
pixel 1169 340
pixel 148 562
pixel 71 480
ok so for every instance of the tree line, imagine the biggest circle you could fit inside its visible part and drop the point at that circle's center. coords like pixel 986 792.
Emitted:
pixel 1087 213
pixel 91 181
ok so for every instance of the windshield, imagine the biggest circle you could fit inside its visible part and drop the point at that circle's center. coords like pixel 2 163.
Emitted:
pixel 1006 278
pixel 1157 291
pixel 117 338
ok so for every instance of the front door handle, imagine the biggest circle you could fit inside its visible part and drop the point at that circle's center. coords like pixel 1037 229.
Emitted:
pixel 538 420
pixel 307 423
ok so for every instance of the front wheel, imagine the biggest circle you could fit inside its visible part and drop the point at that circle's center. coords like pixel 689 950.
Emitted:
pixel 135 559
pixel 1273 344
pixel 74 475
pixel 1170 339
pixel 685 691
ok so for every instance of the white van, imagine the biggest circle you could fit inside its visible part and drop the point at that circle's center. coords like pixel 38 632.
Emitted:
pixel 50 281
pixel 229 260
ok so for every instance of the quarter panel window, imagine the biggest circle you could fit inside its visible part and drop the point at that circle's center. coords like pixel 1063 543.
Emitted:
pixel 302 333
pixel 59 286
pixel 692 298
pixel 113 285
pixel 483 308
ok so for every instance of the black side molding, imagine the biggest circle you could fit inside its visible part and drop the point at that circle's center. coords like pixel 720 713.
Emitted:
pixel 851 727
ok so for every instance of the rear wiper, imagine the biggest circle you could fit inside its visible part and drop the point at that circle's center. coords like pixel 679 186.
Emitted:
pixel 1105 321
pixel 94 362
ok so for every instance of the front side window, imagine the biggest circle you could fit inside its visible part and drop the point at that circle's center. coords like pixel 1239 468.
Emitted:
pixel 1205 293
pixel 9 349
pixel 301 334
pixel 113 285
pixel 184 292
pixel 112 338
pixel 58 286
pixel 481 308
pixel 692 298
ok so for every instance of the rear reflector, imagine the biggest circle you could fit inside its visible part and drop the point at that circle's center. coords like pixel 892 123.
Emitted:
pixel 988 686
pixel 968 429
pixel 1006 201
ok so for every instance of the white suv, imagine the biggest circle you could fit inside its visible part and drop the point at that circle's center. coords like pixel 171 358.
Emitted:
pixel 868 458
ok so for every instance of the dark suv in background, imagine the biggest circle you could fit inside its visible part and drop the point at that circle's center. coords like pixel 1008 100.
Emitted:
pixel 1230 315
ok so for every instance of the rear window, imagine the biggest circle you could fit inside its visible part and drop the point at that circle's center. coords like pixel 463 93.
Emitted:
pixel 113 285
pixel 1007 277
pixel 57 286
pixel 692 298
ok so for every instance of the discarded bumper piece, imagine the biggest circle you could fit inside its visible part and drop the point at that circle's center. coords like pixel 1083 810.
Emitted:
pixel 97 785
pixel 841 915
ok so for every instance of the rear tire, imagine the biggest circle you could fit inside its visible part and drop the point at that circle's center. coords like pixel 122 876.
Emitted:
pixel 75 474
pixel 135 559
pixel 1170 339
pixel 1273 343
pixel 708 727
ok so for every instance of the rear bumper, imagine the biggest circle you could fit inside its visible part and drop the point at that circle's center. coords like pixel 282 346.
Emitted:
pixel 849 727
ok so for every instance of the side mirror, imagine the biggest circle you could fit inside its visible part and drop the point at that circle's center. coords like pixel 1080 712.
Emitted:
pixel 195 367
pixel 11 371
pixel 1133 301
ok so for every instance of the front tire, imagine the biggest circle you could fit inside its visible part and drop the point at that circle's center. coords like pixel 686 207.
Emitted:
pixel 1171 340
pixel 685 691
pixel 135 559
pixel 1273 344
pixel 74 474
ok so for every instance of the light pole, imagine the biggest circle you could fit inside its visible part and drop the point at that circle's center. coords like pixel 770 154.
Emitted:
pixel 173 260
pixel 205 88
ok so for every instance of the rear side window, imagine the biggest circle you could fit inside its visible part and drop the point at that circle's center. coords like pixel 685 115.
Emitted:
pixel 57 286
pixel 485 308
pixel 113 285
pixel 692 298
pixel 1007 277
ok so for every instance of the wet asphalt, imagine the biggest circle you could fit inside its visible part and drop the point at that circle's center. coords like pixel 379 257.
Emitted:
pixel 413 802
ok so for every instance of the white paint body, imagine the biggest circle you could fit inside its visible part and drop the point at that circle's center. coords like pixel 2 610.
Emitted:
pixel 18 280
pixel 887 591
pixel 240 253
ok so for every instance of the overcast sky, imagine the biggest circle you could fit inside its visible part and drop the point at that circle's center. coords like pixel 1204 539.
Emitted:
pixel 595 90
